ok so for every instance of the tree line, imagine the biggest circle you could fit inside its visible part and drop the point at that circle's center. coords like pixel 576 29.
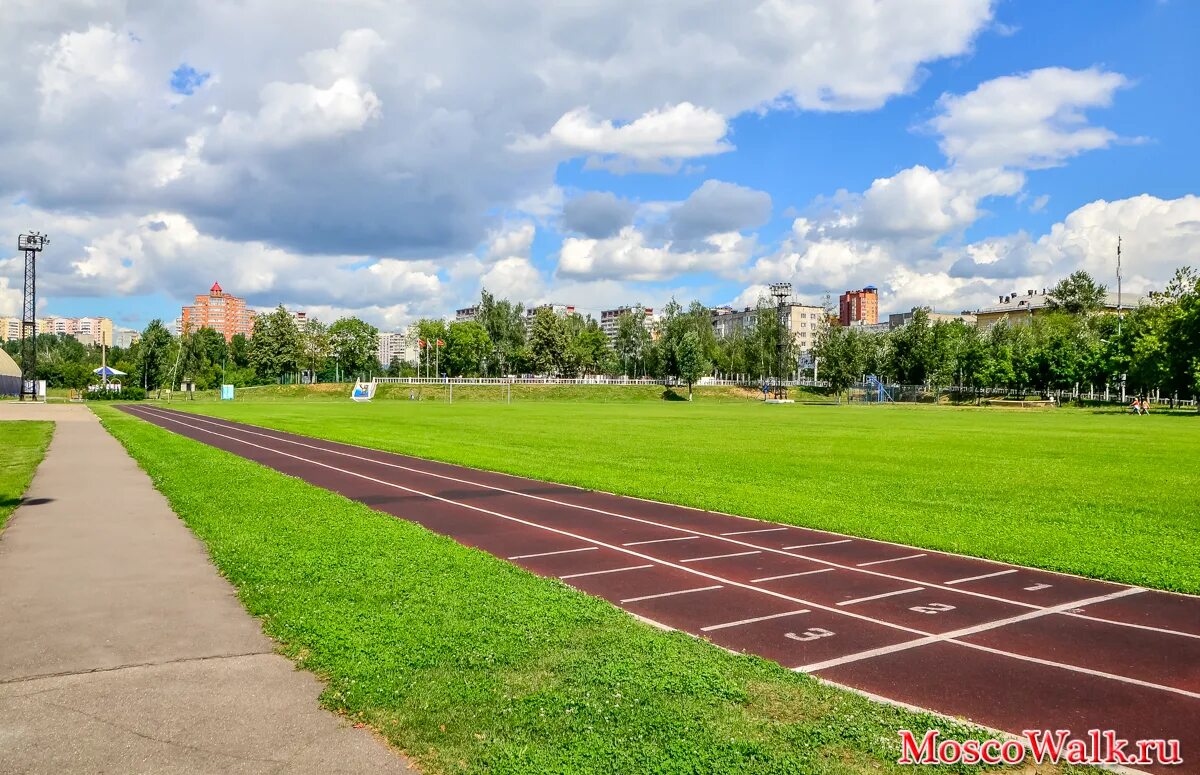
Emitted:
pixel 1073 345
pixel 278 350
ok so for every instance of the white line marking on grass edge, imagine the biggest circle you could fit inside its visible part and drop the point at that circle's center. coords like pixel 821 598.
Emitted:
pixel 602 572
pixel 977 578
pixel 740 622
pixel 661 540
pixel 823 543
pixel 894 559
pixel 880 596
pixel 547 554
pixel 761 530
pixel 721 556
pixel 792 575
pixel 358 457
pixel 671 594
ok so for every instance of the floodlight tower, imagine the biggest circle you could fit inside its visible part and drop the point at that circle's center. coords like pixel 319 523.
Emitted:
pixel 781 292
pixel 30 244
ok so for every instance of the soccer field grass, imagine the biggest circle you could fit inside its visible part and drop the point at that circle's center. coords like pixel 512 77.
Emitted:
pixel 1107 495
pixel 24 444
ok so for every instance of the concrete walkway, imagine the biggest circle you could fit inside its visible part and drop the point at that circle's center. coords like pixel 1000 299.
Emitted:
pixel 121 648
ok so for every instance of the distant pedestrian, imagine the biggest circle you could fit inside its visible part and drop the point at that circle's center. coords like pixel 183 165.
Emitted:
pixel 1145 406
pixel 1136 406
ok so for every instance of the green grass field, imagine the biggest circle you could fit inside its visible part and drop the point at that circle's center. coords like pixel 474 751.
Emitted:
pixel 470 664
pixel 24 444
pixel 1101 494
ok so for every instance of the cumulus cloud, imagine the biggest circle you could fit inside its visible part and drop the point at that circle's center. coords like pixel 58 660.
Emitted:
pixel 628 256
pixel 1036 119
pixel 650 142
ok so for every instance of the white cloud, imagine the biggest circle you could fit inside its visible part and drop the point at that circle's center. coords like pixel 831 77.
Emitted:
pixel 513 278
pixel 680 131
pixel 84 66
pixel 627 256
pixel 1031 120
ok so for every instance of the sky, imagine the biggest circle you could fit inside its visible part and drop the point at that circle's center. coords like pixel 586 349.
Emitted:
pixel 389 160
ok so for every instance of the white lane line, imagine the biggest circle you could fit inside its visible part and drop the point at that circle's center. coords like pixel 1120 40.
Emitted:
pixel 548 554
pixel 602 572
pixel 359 457
pixel 846 659
pixel 1130 624
pixel 740 622
pixel 670 594
pixel 894 559
pixel 168 417
pixel 823 543
pixel 792 575
pixel 748 532
pixel 661 540
pixel 928 638
pixel 977 578
pixel 720 556
pixel 880 596
pixel 1078 669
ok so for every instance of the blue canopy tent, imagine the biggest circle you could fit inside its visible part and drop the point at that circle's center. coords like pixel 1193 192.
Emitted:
pixel 108 371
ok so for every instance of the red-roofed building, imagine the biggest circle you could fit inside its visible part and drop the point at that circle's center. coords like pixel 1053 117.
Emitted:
pixel 220 312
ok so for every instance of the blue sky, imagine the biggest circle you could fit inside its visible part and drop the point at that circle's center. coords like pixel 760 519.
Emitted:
pixel 387 166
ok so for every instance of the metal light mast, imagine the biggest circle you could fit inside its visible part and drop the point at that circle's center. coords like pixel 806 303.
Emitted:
pixel 781 292
pixel 1118 285
pixel 30 244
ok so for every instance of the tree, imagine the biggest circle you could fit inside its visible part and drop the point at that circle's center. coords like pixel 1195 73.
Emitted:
pixel 275 348
pixel 239 351
pixel 154 353
pixel 355 344
pixel 592 353
pixel 549 342
pixel 1077 294
pixel 315 346
pixel 632 340
pixel 468 348
pixel 843 356
pixel 504 323
pixel 689 357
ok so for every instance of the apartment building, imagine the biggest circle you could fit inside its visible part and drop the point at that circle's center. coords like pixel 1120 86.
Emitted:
pixel 219 311
pixel 804 321
pixel 859 305
pixel 609 319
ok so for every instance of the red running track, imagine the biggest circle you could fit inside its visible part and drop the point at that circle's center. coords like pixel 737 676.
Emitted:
pixel 1004 646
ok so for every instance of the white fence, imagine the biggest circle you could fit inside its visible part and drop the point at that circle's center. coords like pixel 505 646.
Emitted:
pixel 615 381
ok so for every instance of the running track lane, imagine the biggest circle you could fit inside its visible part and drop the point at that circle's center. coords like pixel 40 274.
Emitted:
pixel 1004 646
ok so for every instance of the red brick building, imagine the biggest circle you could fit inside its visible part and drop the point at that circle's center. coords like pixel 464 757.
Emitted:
pixel 863 305
pixel 220 312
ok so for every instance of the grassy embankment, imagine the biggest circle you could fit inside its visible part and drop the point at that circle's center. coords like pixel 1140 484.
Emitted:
pixel 1101 494
pixel 471 664
pixel 24 443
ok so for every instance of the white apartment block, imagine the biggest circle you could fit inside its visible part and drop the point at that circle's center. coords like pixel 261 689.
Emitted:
pixel 803 320
pixel 398 344
pixel 609 320
pixel 466 314
pixel 562 310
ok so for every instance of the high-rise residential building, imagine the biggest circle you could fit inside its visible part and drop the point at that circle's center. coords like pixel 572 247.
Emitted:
pixel 902 319
pixel 399 344
pixel 562 310
pixel 89 331
pixel 125 337
pixel 10 328
pixel 859 305
pixel 609 319
pixel 804 321
pixel 219 311
pixel 466 314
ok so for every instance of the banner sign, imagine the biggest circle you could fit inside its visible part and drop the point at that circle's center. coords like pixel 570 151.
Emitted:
pixel 363 391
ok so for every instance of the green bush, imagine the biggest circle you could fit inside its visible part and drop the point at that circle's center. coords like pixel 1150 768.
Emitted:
pixel 131 393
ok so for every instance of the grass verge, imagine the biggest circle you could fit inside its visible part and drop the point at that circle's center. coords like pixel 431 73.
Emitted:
pixel 470 664
pixel 1098 494
pixel 24 443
